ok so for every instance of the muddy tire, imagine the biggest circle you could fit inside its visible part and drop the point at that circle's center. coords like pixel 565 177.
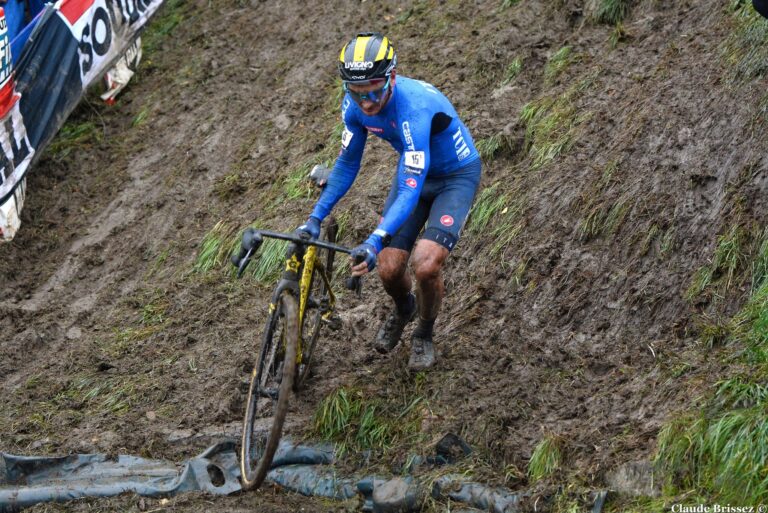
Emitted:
pixel 312 322
pixel 270 390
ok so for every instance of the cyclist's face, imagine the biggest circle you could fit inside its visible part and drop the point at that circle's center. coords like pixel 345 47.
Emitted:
pixel 366 94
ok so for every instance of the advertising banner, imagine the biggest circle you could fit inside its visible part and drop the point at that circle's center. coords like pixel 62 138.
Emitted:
pixel 74 42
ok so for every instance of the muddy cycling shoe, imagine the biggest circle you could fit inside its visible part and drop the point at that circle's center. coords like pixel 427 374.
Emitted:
pixel 422 354
pixel 390 332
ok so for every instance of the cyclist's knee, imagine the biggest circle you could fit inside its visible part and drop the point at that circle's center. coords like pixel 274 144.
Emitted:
pixel 392 263
pixel 428 259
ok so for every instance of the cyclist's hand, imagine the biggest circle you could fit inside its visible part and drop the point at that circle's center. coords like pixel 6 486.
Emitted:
pixel 309 230
pixel 365 254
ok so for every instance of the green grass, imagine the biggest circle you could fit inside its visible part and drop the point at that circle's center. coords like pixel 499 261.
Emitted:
pixel 760 264
pixel 513 70
pixel 558 63
pixel 229 186
pixel 746 49
pixel 489 147
pixel 506 4
pixel 161 26
pixel 612 12
pixel 728 259
pixel 141 117
pixel 618 34
pixel 297 184
pixel 551 123
pixel 722 451
pixel 215 248
pixel 356 422
pixel 546 459
pixel 223 240
pixel 74 135
pixel 488 205
pixel 498 215
pixel 268 263
pixel 603 220
pixel 724 455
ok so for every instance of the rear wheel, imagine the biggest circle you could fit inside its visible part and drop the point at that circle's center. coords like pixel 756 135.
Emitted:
pixel 270 390
pixel 317 304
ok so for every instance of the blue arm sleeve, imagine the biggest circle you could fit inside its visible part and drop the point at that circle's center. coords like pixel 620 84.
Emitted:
pixel 411 173
pixel 345 170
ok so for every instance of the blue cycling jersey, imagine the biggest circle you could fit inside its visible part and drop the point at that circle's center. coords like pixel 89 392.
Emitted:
pixel 422 126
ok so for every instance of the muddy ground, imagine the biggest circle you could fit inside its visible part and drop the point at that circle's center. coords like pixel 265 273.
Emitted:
pixel 112 342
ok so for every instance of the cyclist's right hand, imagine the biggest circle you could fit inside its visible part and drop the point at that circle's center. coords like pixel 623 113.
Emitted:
pixel 309 230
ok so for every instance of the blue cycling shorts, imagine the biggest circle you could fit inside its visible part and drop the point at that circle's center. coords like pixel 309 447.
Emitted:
pixel 443 206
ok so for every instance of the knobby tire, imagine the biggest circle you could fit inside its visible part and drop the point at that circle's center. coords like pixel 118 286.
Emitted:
pixel 284 319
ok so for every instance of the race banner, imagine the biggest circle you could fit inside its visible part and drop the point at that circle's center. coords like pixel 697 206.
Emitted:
pixel 72 45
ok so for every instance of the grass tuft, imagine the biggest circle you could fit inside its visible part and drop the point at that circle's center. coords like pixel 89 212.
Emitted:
pixel 489 203
pixel 546 458
pixel 551 123
pixel 215 248
pixel 74 135
pixel 723 451
pixel 488 147
pixel 513 70
pixel 728 259
pixel 618 34
pixel 356 422
pixel 603 221
pixel 162 25
pixel 746 50
pixel 558 63
pixel 612 12
pixel 268 264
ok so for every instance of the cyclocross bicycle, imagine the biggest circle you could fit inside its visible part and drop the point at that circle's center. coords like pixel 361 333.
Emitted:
pixel 302 302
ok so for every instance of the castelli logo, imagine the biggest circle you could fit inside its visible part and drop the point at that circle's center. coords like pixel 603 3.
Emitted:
pixel 446 221
pixel 411 183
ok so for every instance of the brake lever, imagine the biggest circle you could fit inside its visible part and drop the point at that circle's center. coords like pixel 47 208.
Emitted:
pixel 244 262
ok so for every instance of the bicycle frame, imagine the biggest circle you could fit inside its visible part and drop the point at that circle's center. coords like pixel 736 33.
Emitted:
pixel 302 285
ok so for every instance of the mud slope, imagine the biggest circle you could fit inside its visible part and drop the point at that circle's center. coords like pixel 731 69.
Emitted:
pixel 618 165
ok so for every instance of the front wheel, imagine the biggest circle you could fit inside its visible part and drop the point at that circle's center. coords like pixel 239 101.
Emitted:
pixel 270 390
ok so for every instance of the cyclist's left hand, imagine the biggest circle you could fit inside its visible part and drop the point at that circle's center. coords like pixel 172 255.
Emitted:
pixel 366 253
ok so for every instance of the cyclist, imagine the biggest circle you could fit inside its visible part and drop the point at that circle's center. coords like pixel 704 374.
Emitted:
pixel 437 176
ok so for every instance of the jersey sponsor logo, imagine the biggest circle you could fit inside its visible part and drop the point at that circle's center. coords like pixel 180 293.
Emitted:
pixel 346 138
pixel 358 65
pixel 375 129
pixel 415 159
pixel 446 220
pixel 412 171
pixel 407 136
pixel 462 149
pixel 411 182
pixel 429 87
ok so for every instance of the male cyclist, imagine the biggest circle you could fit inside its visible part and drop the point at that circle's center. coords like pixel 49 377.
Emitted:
pixel 437 176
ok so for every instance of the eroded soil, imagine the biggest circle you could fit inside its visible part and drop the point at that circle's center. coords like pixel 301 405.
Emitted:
pixel 111 342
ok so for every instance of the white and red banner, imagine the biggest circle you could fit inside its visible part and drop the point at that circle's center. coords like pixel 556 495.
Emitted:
pixel 72 45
